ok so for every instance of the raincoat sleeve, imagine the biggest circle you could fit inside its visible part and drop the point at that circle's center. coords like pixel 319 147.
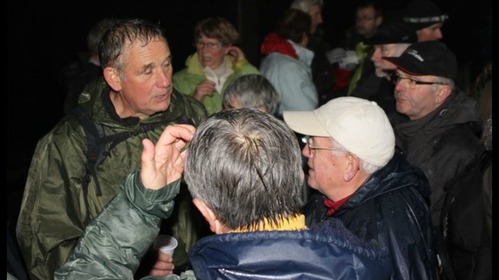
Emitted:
pixel 114 243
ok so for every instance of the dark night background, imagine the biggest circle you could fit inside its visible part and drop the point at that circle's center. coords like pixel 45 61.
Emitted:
pixel 44 36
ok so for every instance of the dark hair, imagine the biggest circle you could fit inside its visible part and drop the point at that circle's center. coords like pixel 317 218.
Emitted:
pixel 97 31
pixel 377 7
pixel 293 24
pixel 114 41
pixel 245 165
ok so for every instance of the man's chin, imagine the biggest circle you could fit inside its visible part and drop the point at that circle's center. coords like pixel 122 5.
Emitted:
pixel 311 183
pixel 162 105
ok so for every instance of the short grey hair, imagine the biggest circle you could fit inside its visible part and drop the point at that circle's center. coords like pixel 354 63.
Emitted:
pixel 124 33
pixel 252 91
pixel 246 166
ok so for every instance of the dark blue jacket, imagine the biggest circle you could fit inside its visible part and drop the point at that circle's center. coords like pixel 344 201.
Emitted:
pixel 390 209
pixel 325 252
pixel 115 241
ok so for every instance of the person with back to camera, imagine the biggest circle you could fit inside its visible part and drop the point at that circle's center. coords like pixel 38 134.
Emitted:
pixel 442 133
pixel 216 62
pixel 135 96
pixel 322 69
pixel 250 198
pixel 361 181
pixel 255 91
pixel 251 91
pixel 286 62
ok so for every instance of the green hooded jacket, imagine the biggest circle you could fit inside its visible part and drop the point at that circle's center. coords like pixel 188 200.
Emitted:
pixel 114 243
pixel 55 210
pixel 187 79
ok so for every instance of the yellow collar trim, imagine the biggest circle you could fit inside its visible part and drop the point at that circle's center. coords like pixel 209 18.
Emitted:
pixel 296 222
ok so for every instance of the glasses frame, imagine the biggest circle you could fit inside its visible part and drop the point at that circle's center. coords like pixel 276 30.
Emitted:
pixel 395 78
pixel 307 139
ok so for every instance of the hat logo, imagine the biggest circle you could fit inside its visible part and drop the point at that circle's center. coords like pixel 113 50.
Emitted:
pixel 435 19
pixel 415 54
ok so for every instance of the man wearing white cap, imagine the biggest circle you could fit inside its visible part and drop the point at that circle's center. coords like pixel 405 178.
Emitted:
pixel 361 181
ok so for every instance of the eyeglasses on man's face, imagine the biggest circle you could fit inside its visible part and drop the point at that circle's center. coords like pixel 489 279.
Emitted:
pixel 308 140
pixel 209 45
pixel 411 83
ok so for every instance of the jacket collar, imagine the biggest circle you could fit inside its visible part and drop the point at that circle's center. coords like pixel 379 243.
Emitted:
pixel 296 222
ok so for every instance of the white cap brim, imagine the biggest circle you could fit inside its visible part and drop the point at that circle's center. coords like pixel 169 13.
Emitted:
pixel 305 122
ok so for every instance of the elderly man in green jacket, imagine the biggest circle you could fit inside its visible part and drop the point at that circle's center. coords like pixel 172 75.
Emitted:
pixel 137 97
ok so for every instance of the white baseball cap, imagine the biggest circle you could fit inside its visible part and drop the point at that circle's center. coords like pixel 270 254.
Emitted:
pixel 359 125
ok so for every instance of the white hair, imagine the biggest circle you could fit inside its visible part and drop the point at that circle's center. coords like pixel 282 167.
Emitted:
pixel 304 5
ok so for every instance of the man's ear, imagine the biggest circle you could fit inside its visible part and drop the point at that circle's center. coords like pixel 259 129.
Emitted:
pixel 112 78
pixel 352 167
pixel 208 214
pixel 443 92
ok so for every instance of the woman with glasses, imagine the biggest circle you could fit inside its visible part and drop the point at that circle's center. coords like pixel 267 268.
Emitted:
pixel 216 62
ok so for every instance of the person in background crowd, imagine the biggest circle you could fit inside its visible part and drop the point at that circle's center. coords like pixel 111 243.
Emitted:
pixel 426 18
pixel 136 92
pixel 442 133
pixel 322 69
pixel 286 62
pixel 361 181
pixel 79 73
pixel 250 198
pixel 391 39
pixel 251 91
pixel 217 61
pixel 351 52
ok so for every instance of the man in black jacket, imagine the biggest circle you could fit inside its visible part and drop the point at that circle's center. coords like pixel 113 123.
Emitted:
pixel 441 135
pixel 360 180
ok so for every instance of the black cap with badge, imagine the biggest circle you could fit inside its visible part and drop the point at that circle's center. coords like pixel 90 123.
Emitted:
pixel 393 33
pixel 430 58
pixel 423 13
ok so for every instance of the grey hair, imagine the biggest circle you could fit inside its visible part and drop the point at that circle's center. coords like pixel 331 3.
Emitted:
pixel 245 165
pixel 443 80
pixel 252 91
pixel 304 5
pixel 365 166
pixel 116 39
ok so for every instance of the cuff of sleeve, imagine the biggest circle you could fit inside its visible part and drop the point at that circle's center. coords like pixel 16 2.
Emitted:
pixel 159 203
